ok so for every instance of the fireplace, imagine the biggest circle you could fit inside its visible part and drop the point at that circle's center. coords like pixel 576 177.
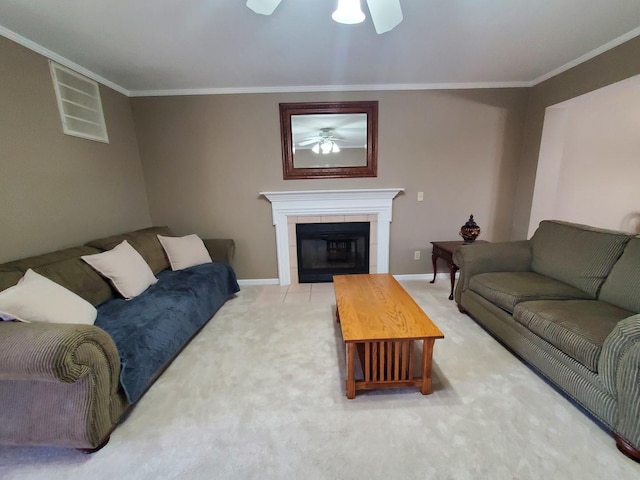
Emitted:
pixel 323 206
pixel 327 249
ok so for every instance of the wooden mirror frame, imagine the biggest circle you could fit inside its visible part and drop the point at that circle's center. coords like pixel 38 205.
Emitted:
pixel 290 172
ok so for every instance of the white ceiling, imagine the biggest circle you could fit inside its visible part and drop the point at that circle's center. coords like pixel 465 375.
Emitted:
pixel 152 47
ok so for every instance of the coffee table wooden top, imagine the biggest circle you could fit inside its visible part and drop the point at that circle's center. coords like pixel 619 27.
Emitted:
pixel 376 307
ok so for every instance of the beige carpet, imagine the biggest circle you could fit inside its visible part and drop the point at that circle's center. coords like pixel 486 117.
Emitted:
pixel 259 394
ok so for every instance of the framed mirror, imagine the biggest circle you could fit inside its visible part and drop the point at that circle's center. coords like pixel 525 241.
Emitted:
pixel 329 139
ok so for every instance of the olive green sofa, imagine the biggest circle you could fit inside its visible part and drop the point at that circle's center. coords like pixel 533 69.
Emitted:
pixel 567 302
pixel 60 383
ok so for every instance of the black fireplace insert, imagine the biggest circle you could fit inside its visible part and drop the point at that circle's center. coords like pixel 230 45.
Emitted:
pixel 328 249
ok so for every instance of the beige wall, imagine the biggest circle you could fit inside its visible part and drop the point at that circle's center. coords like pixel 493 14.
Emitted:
pixel 57 190
pixel 612 66
pixel 206 158
pixel 589 161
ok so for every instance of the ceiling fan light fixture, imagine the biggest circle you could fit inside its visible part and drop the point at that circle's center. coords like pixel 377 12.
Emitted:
pixel 316 148
pixel 348 12
pixel 326 147
pixel 335 148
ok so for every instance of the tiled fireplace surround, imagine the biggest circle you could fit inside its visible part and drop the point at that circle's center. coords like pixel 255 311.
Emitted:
pixel 292 221
pixel 331 206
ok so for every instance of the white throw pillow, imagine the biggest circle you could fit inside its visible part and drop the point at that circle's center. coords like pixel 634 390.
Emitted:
pixel 125 268
pixel 37 299
pixel 184 252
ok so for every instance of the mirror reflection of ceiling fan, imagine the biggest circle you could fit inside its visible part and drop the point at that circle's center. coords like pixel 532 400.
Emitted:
pixel 385 14
pixel 325 134
pixel 325 141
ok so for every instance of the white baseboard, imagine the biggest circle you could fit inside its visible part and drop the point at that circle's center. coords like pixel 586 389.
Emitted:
pixel 423 276
pixel 259 281
pixel 414 276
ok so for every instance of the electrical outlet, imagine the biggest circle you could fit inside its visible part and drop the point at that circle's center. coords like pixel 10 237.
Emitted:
pixel 420 196
pixel 416 255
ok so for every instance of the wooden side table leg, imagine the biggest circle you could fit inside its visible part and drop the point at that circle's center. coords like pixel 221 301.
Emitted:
pixel 351 375
pixel 434 259
pixel 427 356
pixel 452 272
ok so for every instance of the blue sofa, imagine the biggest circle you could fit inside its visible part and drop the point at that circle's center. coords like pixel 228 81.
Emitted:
pixel 69 385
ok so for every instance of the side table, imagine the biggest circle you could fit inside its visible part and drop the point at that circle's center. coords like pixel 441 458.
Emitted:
pixel 445 250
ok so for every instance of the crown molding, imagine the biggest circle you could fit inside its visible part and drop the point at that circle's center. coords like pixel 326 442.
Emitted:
pixel 327 88
pixel 588 56
pixel 36 47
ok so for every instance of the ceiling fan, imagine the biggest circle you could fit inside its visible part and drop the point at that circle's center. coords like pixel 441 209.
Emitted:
pixel 326 134
pixel 385 14
pixel 325 142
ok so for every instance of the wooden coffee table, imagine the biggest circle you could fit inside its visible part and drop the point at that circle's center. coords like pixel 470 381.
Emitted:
pixel 381 321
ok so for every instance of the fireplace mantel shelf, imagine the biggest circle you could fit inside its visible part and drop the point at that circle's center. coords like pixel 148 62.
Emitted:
pixel 328 195
pixel 365 201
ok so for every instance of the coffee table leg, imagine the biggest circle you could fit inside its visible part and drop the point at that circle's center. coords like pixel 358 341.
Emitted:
pixel 427 355
pixel 351 375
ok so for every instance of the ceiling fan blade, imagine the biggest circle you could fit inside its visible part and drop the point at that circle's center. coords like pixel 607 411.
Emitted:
pixel 385 14
pixel 263 7
pixel 308 141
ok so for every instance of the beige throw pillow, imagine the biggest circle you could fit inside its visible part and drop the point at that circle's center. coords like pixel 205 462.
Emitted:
pixel 184 252
pixel 37 299
pixel 125 268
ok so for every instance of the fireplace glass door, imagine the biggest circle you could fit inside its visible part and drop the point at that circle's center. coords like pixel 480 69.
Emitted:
pixel 327 249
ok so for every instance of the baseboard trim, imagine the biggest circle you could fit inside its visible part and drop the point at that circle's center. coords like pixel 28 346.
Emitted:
pixel 423 276
pixel 259 281
pixel 408 276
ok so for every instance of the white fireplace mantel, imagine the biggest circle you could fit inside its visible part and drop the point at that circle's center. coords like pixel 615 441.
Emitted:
pixel 364 201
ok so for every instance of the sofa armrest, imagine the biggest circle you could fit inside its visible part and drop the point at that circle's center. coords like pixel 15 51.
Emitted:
pixel 628 382
pixel 490 257
pixel 221 249
pixel 59 385
pixel 622 339
pixel 619 371
pixel 55 352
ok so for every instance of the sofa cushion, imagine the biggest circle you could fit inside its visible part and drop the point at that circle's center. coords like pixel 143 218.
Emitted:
pixel 37 299
pixel 578 255
pixel 576 327
pixel 125 268
pixel 185 252
pixel 8 278
pixel 145 241
pixel 507 289
pixel 622 286
pixel 65 268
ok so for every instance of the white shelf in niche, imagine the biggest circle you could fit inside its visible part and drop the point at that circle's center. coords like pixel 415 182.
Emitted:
pixel 366 201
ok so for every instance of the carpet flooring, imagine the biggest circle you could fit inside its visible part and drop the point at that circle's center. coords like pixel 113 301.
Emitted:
pixel 259 394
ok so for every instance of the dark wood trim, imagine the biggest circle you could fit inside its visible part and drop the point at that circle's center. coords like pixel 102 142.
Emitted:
pixel 290 172
pixel 99 447
pixel 626 448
